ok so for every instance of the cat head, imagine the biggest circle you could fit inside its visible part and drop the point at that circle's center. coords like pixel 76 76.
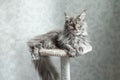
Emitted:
pixel 76 26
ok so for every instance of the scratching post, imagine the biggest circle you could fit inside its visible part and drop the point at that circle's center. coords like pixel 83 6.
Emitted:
pixel 65 68
pixel 65 60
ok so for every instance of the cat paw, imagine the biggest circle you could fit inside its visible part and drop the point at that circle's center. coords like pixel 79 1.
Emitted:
pixel 79 52
pixel 71 53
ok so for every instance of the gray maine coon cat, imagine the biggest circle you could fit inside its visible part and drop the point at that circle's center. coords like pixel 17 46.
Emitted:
pixel 70 39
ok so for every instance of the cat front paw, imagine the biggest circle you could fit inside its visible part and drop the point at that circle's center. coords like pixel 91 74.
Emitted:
pixel 79 51
pixel 71 53
pixel 35 54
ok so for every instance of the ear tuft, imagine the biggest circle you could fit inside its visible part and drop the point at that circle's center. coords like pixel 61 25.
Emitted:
pixel 66 16
pixel 82 15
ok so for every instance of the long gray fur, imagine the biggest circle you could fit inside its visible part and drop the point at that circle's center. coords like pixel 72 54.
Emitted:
pixel 70 39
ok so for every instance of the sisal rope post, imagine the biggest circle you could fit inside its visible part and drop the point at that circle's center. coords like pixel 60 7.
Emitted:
pixel 65 68
pixel 65 59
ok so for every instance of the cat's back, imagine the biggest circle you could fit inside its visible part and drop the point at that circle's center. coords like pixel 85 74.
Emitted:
pixel 47 36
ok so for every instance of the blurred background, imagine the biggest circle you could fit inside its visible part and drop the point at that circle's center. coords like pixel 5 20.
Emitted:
pixel 20 20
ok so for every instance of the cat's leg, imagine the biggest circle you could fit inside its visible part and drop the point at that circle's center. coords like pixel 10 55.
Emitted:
pixel 70 50
pixel 36 54
pixel 79 51
pixel 32 52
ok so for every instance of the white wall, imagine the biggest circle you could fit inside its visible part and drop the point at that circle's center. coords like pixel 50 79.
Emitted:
pixel 20 20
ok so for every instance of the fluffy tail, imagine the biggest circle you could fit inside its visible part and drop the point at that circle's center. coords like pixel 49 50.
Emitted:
pixel 46 69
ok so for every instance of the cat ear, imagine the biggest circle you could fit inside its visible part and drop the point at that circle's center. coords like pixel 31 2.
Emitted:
pixel 82 15
pixel 66 16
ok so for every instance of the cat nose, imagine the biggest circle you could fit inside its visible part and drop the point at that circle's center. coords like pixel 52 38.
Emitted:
pixel 76 30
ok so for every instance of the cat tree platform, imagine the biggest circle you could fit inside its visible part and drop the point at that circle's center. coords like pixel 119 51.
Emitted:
pixel 65 59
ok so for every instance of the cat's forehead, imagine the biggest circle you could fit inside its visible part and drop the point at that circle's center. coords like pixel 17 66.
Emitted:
pixel 74 20
pixel 71 19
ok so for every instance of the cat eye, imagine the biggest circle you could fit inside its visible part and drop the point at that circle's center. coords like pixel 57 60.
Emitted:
pixel 79 26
